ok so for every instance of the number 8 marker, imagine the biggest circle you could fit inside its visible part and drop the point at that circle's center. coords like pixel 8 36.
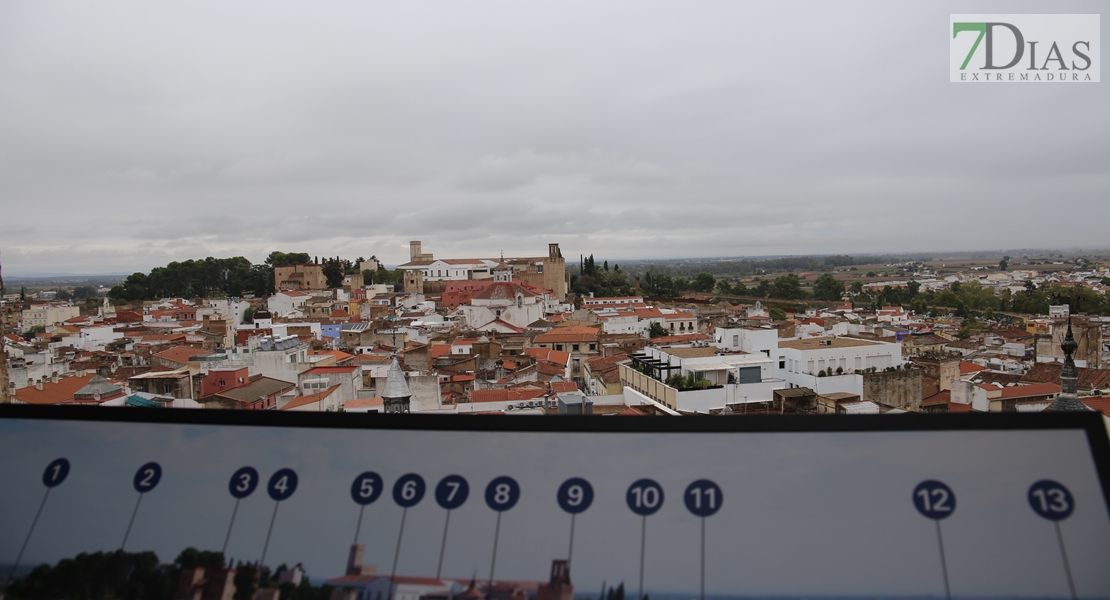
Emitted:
pixel 502 493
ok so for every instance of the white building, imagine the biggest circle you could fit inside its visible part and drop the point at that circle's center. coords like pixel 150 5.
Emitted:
pixel 806 359
pixel 285 302
pixel 48 314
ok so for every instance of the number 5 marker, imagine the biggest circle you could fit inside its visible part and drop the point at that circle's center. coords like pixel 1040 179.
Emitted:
pixel 936 501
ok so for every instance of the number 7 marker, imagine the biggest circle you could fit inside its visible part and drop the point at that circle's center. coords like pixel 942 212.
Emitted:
pixel 451 493
pixel 936 501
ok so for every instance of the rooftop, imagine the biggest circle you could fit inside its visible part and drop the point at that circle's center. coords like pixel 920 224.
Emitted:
pixel 825 342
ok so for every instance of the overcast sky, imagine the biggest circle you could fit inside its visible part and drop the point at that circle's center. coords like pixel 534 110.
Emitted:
pixel 132 134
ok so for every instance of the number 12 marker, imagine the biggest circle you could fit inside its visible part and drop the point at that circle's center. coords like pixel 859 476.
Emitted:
pixel 936 501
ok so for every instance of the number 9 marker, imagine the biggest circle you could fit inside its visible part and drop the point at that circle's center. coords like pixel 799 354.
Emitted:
pixel 575 495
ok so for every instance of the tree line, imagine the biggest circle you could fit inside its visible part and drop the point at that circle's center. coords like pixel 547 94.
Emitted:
pixel 235 277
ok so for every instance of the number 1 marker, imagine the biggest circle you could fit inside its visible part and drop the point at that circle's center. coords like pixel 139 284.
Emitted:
pixel 55 473
pixel 936 501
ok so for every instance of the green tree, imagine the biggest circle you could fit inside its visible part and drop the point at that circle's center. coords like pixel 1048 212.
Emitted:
pixel 828 288
pixel 787 287
pixel 657 330
pixel 776 313
pixel 333 272
pixel 704 282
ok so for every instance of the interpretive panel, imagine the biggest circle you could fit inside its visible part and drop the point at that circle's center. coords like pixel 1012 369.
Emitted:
pixel 727 506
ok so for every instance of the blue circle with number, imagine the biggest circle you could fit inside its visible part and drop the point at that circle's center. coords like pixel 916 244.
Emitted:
pixel 502 493
pixel 282 484
pixel 409 490
pixel 243 482
pixel 147 477
pixel 366 488
pixel 644 497
pixel 575 495
pixel 56 472
pixel 934 499
pixel 703 498
pixel 1051 500
pixel 452 491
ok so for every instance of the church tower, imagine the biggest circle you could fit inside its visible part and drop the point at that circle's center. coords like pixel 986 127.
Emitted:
pixel 396 394
pixel 1068 400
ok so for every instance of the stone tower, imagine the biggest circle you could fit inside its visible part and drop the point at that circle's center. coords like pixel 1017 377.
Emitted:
pixel 555 276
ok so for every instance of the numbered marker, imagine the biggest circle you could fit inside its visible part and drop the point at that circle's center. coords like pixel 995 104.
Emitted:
pixel 1051 500
pixel 575 495
pixel 243 483
pixel 147 477
pixel 282 484
pixel 366 488
pixel 644 497
pixel 55 472
pixel 703 498
pixel 934 499
pixel 452 491
pixel 502 493
pixel 409 490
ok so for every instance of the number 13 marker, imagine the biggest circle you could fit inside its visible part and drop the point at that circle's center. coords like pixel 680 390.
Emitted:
pixel 1053 501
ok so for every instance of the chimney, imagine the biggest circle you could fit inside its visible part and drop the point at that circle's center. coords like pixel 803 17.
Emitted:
pixel 54 377
pixel 38 384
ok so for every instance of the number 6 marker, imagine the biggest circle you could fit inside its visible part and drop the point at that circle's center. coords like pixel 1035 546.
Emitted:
pixel 408 491
pixel 936 501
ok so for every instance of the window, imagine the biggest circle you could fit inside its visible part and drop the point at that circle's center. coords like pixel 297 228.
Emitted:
pixel 782 362
pixel 735 340
pixel 574 348
pixel 559 347
pixel 750 375
pixel 593 347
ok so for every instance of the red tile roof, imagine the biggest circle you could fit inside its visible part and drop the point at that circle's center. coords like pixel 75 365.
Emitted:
pixel 1025 391
pixel 53 393
pixel 1099 403
pixel 513 395
pixel 305 400
pixel 967 367
pixel 563 386
pixel 331 369
pixel 181 354
pixel 562 335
